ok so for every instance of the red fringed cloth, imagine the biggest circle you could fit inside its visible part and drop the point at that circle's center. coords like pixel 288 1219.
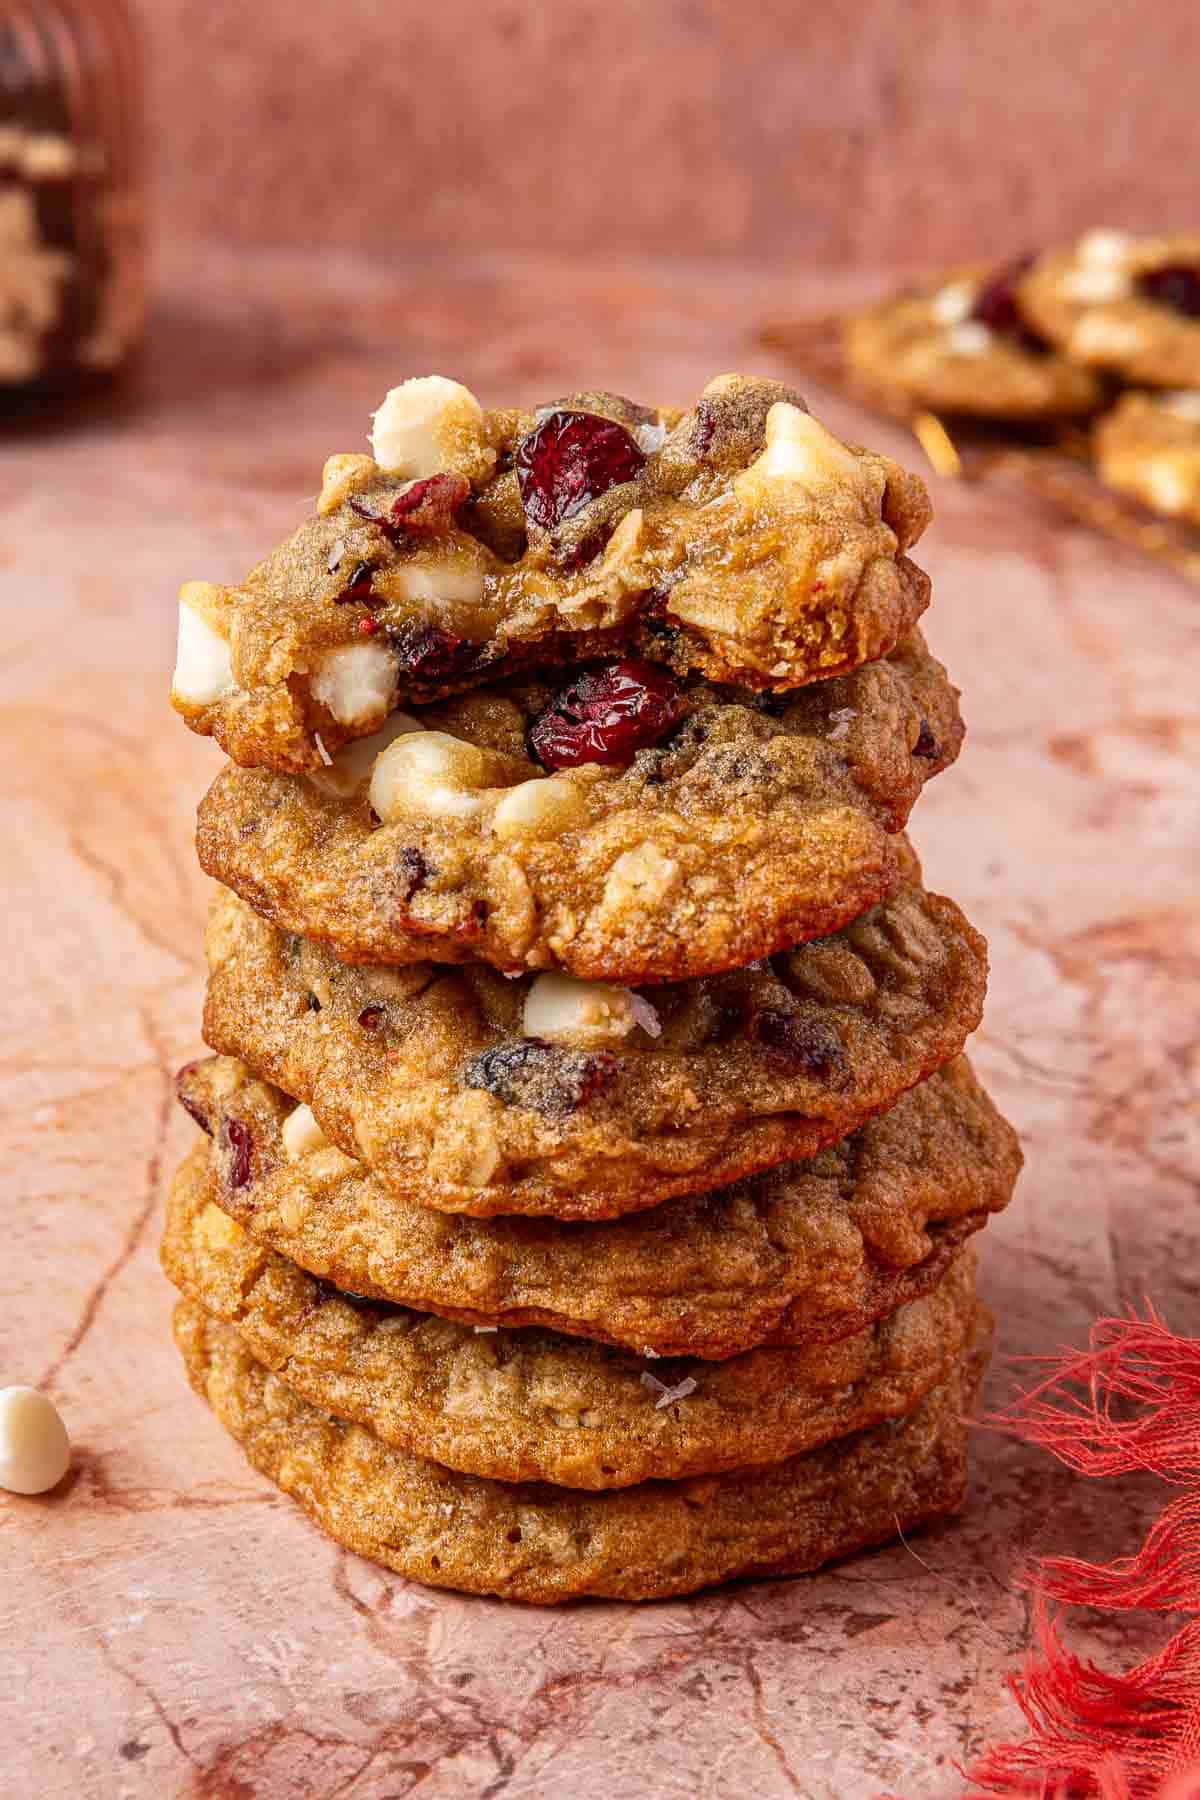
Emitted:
pixel 1130 1401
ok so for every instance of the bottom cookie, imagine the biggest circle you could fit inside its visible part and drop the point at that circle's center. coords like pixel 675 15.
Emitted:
pixel 542 1544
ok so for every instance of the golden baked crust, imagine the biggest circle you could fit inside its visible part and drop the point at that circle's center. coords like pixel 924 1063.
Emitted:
pixel 543 1544
pixel 714 557
pixel 429 1073
pixel 1105 303
pixel 1149 446
pixel 925 343
pixel 752 827
pixel 533 1405
pixel 809 1253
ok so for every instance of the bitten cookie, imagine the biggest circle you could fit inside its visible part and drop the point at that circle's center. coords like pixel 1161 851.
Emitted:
pixel 739 541
pixel 578 1100
pixel 709 830
pixel 811 1252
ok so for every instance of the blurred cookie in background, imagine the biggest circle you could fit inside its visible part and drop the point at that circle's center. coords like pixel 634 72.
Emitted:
pixel 1123 304
pixel 961 343
pixel 1149 447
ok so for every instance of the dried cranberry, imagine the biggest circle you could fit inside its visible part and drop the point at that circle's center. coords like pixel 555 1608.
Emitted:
pixel 358 588
pixel 428 505
pixel 798 1042
pixel 416 871
pixel 190 1105
pixel 1177 285
pixel 371 1018
pixel 997 307
pixel 606 716
pixel 544 1078
pixel 926 744
pixel 430 654
pixel 568 460
pixel 236 1138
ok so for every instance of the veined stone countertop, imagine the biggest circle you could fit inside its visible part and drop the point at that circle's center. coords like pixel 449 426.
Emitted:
pixel 173 1626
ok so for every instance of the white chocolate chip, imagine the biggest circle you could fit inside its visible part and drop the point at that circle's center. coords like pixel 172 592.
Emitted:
pixel 1095 284
pixel 539 809
pixel 642 877
pixel 357 682
pixel 420 424
pixel 1103 247
pixel 301 1133
pixel 428 772
pixel 452 577
pixel 1185 404
pixel 799 449
pixel 1101 335
pixel 203 663
pixel 971 338
pixel 952 305
pixel 1169 485
pixel 35 1451
pixel 564 1010
pixel 351 768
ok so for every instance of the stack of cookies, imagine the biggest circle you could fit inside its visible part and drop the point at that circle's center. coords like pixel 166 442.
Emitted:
pixel 590 1155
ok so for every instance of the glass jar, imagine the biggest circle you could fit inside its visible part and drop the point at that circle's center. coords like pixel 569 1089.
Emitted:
pixel 71 239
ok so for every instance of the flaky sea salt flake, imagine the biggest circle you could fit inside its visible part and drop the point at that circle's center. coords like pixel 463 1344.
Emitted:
pixel 664 1395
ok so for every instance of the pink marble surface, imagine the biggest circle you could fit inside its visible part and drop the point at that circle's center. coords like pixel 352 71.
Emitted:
pixel 171 1625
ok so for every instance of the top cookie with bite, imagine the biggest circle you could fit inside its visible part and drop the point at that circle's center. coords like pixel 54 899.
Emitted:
pixel 739 540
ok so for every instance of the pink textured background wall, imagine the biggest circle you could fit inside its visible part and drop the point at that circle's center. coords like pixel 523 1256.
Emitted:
pixel 861 131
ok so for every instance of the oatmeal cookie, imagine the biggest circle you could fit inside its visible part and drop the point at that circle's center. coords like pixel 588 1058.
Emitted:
pixel 546 1095
pixel 812 1252
pixel 534 1542
pixel 1125 304
pixel 533 1405
pixel 1149 446
pixel 749 824
pixel 961 344
pixel 740 541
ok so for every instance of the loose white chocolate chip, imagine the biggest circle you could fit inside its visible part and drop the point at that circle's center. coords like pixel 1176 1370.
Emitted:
pixel 1095 284
pixel 35 1451
pixel 351 768
pixel 428 772
pixel 357 682
pixel 799 449
pixel 345 474
pixel 539 809
pixel 1103 247
pixel 971 338
pixel 952 305
pixel 420 424
pixel 301 1133
pixel 203 664
pixel 564 1010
